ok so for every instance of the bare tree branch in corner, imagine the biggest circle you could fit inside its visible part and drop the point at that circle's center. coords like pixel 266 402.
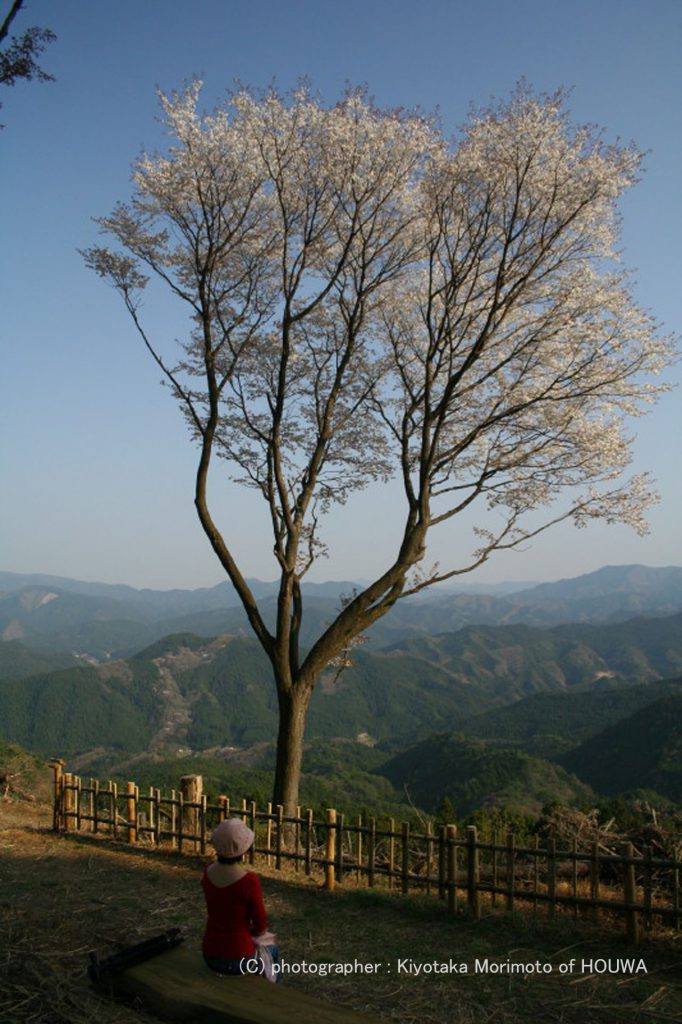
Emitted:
pixel 20 59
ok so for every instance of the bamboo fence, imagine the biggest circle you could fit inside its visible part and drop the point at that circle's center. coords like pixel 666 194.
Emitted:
pixel 460 869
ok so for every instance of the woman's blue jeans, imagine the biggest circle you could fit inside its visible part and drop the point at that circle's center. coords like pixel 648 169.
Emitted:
pixel 243 965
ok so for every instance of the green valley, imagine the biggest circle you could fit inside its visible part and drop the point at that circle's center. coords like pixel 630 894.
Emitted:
pixel 509 716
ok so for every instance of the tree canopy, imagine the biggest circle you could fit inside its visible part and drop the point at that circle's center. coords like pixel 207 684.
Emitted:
pixel 370 299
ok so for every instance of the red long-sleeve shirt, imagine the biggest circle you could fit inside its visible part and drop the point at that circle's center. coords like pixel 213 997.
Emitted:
pixel 235 914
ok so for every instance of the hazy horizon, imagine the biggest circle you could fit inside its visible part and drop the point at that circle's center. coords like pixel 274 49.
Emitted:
pixel 466 580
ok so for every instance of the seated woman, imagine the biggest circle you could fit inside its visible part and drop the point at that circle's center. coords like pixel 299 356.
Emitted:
pixel 234 901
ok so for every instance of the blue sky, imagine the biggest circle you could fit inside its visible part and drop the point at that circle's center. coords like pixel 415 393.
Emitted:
pixel 96 463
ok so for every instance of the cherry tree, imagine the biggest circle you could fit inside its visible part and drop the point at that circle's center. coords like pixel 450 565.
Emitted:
pixel 368 300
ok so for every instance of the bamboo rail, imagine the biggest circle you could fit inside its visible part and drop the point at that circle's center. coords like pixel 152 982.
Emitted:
pixel 467 870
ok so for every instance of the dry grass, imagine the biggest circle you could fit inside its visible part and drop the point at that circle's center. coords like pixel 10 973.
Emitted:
pixel 63 896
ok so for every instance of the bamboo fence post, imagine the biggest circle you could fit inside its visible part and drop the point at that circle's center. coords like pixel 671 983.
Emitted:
pixel 308 863
pixel 405 858
pixel 141 818
pixel 574 858
pixel 473 873
pixel 136 807
pixel 429 856
pixel 268 835
pixel 510 870
pixel 280 830
pixel 252 826
pixel 79 794
pixel 371 850
pixel 297 839
pixel 157 816
pixel 91 803
pixel 442 861
pixel 359 847
pixel 648 885
pixel 82 803
pixel 451 837
pixel 677 854
pixel 391 851
pixel 551 876
pixel 339 848
pixel 630 893
pixel 57 766
pixel 494 868
pixel 223 808
pixel 113 787
pixel 202 830
pixel 331 849
pixel 89 789
pixel 191 788
pixel 83 806
pixel 131 812
pixel 594 880
pixel 68 802
pixel 58 815
pixel 180 819
pixel 243 810
pixel 95 805
pixel 175 831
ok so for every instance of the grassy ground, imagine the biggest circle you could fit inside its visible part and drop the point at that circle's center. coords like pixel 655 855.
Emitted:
pixel 62 896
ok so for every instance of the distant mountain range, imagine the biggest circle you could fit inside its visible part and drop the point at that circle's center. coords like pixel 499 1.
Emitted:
pixel 192 695
pixel 519 660
pixel 164 603
pixel 504 713
pixel 105 621
pixel 222 690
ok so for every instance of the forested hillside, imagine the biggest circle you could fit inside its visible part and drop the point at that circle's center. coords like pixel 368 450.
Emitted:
pixel 193 693
pixel 642 752
pixel 515 661
pixel 546 724
pixel 66 712
pixel 472 774
pixel 511 716
pixel 18 660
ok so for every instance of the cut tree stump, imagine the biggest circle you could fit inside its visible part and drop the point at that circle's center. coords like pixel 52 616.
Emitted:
pixel 177 986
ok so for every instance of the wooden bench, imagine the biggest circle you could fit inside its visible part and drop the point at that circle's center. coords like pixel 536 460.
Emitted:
pixel 177 986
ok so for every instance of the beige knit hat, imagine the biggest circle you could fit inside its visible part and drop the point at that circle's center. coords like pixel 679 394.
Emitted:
pixel 232 838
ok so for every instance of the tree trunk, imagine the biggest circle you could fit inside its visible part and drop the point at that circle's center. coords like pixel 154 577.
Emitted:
pixel 293 707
